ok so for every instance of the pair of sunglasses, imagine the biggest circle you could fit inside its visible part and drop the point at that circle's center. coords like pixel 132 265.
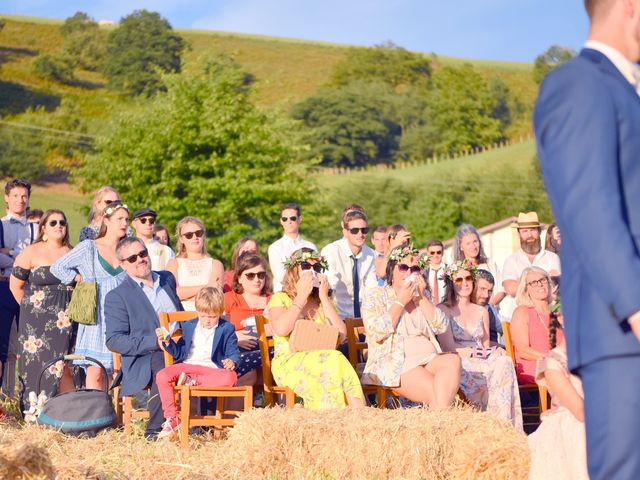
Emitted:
pixel 293 219
pixel 308 266
pixel 437 252
pixel 251 275
pixel 197 233
pixel 403 267
pixel 354 230
pixel 134 258
pixel 53 223
pixel 144 220
pixel 459 280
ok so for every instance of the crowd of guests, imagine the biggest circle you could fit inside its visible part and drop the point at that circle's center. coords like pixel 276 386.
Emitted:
pixel 434 329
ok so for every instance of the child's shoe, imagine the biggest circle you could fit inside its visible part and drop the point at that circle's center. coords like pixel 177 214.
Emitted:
pixel 169 427
pixel 185 379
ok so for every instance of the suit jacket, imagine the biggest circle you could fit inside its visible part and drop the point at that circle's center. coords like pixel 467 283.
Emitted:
pixel 587 124
pixel 225 343
pixel 131 323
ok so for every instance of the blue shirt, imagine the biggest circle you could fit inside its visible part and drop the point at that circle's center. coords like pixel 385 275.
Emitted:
pixel 18 233
pixel 157 296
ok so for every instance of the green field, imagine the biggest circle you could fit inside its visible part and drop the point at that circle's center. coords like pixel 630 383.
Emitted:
pixel 65 198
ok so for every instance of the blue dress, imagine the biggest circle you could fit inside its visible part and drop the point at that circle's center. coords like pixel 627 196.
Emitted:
pixel 86 260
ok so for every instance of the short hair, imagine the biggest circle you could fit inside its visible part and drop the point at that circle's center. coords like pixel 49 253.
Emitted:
pixel 486 275
pixel 291 206
pixel 522 296
pixel 17 183
pixel 210 300
pixel 125 242
pixel 36 212
pixel 236 251
pixel 379 229
pixel 394 229
pixel 354 207
pixel 596 7
pixel 464 230
pixel 245 262
pixel 353 215
pixel 435 243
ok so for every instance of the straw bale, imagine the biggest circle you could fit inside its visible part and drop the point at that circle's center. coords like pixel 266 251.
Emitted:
pixel 25 461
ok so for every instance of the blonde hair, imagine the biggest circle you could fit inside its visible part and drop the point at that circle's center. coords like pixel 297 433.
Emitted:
pixel 181 250
pixel 99 195
pixel 210 300
pixel 522 295
pixel 291 277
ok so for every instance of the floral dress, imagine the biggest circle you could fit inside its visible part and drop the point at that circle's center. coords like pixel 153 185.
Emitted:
pixel 45 331
pixel 488 383
pixel 321 377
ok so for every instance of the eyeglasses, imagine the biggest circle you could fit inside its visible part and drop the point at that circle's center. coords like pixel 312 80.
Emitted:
pixel 354 231
pixel 437 252
pixel 540 282
pixel 53 223
pixel 293 219
pixel 134 258
pixel 315 266
pixel 144 220
pixel 109 202
pixel 189 235
pixel 459 280
pixel 403 267
pixel 251 275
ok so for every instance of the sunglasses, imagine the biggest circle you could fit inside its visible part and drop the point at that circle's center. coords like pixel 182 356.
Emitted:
pixel 308 266
pixel 251 275
pixel 134 258
pixel 354 231
pixel 53 223
pixel 403 267
pixel 144 220
pixel 189 235
pixel 293 219
pixel 437 252
pixel 109 202
pixel 538 283
pixel 459 280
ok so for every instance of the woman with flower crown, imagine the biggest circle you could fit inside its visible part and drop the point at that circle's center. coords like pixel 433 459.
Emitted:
pixel 323 378
pixel 45 330
pixel 402 325
pixel 488 378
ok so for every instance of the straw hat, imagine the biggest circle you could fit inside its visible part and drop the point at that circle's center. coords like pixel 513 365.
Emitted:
pixel 527 220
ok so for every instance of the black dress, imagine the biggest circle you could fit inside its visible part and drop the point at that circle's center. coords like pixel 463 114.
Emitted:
pixel 45 331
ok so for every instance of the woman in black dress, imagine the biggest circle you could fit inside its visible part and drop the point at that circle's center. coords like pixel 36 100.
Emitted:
pixel 45 331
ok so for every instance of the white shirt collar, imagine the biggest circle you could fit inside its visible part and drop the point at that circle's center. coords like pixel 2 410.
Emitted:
pixel 140 281
pixel 346 249
pixel 626 68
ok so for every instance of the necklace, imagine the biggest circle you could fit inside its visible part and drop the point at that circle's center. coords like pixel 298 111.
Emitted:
pixel 546 327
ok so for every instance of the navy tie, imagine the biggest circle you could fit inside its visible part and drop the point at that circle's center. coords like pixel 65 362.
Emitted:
pixel 356 288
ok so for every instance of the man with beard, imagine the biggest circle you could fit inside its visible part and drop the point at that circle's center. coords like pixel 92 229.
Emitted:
pixel 530 254
pixel 482 292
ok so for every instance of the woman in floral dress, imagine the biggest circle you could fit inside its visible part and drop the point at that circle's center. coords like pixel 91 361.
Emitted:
pixel 45 330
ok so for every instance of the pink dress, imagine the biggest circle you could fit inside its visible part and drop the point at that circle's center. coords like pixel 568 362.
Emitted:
pixel 538 339
pixel 558 447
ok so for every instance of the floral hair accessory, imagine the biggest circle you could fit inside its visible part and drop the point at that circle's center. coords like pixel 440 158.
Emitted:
pixel 302 257
pixel 556 306
pixel 113 208
pixel 400 253
pixel 423 261
pixel 465 264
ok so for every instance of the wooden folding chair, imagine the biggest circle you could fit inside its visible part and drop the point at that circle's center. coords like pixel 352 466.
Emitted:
pixel 271 390
pixel 221 418
pixel 125 413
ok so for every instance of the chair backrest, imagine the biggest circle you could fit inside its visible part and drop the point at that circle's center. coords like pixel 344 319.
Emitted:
pixel 355 326
pixel 508 343
pixel 167 318
pixel 265 342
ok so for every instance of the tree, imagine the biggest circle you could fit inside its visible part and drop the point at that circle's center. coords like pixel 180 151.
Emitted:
pixel 83 40
pixel 552 58
pixel 201 148
pixel 143 46
pixel 57 66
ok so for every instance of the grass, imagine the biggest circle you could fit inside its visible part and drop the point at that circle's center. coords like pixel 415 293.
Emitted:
pixel 63 197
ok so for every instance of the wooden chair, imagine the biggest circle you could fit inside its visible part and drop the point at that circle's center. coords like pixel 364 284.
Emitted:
pixel 125 413
pixel 271 390
pixel 221 418
pixel 543 396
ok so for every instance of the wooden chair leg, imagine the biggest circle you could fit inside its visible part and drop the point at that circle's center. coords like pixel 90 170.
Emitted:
pixel 290 399
pixel 544 400
pixel 382 397
pixel 268 398
pixel 248 399
pixel 117 405
pixel 185 414
pixel 127 410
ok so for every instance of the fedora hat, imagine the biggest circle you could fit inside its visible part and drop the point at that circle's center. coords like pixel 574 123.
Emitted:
pixel 527 220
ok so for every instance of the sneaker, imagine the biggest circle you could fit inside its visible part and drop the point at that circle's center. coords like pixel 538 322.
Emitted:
pixel 169 427
pixel 185 379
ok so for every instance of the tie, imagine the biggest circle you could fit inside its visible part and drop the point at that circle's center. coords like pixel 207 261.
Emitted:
pixel 356 288
pixel 436 295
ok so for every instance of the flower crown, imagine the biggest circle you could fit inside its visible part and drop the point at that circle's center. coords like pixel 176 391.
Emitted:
pixel 465 264
pixel 556 306
pixel 302 257
pixel 400 253
pixel 111 209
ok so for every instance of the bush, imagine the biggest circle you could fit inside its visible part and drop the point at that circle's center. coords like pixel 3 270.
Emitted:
pixel 57 67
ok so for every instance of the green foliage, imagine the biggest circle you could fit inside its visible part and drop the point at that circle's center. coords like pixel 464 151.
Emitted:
pixel 83 40
pixel 386 63
pixel 58 67
pixel 552 58
pixel 21 155
pixel 201 148
pixel 143 46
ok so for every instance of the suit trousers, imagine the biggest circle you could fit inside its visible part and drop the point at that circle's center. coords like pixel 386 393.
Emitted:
pixel 156 417
pixel 9 311
pixel 612 412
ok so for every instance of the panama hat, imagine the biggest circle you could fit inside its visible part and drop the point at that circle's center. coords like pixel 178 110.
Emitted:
pixel 527 220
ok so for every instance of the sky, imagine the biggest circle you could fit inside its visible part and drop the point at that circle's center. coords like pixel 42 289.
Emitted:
pixel 512 30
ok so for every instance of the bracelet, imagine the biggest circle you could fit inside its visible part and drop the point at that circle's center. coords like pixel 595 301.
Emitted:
pixel 398 302
pixel 294 304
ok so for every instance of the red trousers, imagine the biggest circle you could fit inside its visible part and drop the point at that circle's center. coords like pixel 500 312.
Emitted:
pixel 204 376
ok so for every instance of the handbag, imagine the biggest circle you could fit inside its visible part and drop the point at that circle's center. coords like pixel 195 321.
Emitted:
pixel 83 307
pixel 308 336
pixel 79 412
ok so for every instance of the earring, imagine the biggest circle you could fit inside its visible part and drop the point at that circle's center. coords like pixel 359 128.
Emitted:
pixel 44 237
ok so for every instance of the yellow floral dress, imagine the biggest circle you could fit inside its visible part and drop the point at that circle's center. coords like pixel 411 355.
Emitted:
pixel 321 378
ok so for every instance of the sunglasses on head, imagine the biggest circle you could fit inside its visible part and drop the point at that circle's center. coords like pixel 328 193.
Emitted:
pixel 251 275
pixel 308 266
pixel 144 220
pixel 53 223
pixel 403 267
pixel 437 252
pixel 459 280
pixel 134 258
pixel 189 235
pixel 293 219
pixel 355 230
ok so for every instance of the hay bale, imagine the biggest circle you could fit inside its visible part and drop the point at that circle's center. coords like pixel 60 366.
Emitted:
pixel 25 461
pixel 371 443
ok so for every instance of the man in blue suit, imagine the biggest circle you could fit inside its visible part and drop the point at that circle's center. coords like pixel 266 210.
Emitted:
pixel 132 316
pixel 587 123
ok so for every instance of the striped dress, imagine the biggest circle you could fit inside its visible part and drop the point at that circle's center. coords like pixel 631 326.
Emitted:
pixel 85 260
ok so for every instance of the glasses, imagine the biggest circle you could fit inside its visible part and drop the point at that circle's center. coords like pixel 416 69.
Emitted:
pixel 354 230
pixel 459 280
pixel 540 282
pixel 437 252
pixel 189 235
pixel 134 258
pixel 315 266
pixel 144 220
pixel 53 223
pixel 403 267
pixel 293 219
pixel 109 202
pixel 251 275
